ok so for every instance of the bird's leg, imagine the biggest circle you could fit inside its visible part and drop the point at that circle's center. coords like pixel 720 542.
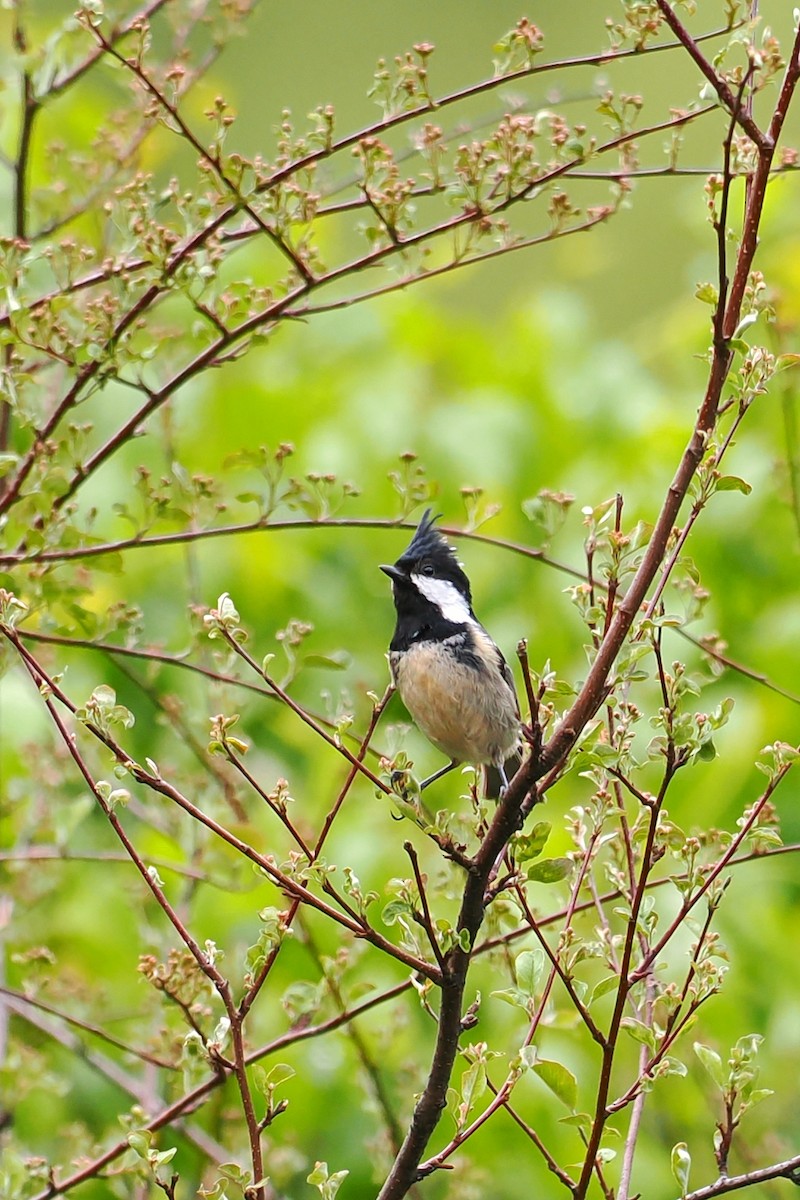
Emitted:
pixel 438 774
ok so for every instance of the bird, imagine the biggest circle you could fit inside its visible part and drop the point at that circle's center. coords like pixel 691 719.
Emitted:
pixel 451 676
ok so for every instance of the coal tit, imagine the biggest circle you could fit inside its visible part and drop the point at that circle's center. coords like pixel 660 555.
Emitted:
pixel 451 676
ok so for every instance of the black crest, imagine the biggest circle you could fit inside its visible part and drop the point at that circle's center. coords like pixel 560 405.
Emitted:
pixel 429 548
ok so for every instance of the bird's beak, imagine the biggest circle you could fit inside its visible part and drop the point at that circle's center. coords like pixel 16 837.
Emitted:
pixel 394 573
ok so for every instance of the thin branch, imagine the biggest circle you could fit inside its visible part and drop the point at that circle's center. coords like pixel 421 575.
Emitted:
pixel 23 1001
pixel 788 1169
pixel 742 117
pixel 460 95
pixel 279 308
pixel 501 1094
pixel 107 1068
pixel 371 1068
pixel 611 1040
pixel 333 740
pixel 425 919
pixel 252 992
pixel 41 853
pixel 184 731
pixel 176 660
pixel 563 1176
pixel 156 783
pixel 269 524
pixel 592 693
pixel 30 108
pixel 193 1099
pixel 117 32
pixel 212 160
pixel 204 961
pixel 712 874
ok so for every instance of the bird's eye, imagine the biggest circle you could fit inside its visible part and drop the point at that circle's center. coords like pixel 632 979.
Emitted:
pixel 427 568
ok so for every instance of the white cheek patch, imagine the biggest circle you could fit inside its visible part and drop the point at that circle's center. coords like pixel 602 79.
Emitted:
pixel 446 596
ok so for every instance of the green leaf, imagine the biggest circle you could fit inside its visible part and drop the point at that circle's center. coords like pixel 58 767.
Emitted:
pixel 473 1084
pixel 681 1163
pixel 139 1141
pixel 559 1079
pixel 581 1121
pixel 267 1081
pixel 233 1172
pixel 712 1063
pixel 733 483
pixel 745 323
pixel 639 1032
pixel 104 695
pixel 609 984
pixel 758 1095
pixel 512 996
pixel 319 1174
pixel 550 870
pixel 464 940
pixel 120 715
pixel 528 846
pixel 528 968
pixel 707 752
pixel 227 609
pixel 707 293
pixel 672 1066
pixel 339 660
pixel 394 911
pixel 527 1056
pixel 328 1185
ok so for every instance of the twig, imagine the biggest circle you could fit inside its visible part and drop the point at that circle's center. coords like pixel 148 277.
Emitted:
pixel 254 989
pixel 788 1169
pixel 712 874
pixel 610 1046
pixel 333 741
pixel 204 961
pixel 284 306
pixel 287 883
pixel 23 1002
pixel 213 160
pixel 425 919
pixel 192 1099
pixel 691 45
pixel 24 1007
pixel 591 695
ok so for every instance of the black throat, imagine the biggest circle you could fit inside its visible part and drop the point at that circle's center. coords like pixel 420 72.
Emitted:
pixel 420 620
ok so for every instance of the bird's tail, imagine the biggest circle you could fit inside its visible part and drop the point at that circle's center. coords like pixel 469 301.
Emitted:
pixel 492 780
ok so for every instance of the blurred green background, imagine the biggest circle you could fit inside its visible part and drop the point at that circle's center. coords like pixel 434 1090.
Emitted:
pixel 576 367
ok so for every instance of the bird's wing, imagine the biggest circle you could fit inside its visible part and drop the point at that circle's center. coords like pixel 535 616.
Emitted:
pixel 505 671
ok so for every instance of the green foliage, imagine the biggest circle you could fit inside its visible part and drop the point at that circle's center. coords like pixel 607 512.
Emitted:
pixel 211 921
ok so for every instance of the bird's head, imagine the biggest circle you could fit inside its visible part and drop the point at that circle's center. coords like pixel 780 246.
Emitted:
pixel 428 570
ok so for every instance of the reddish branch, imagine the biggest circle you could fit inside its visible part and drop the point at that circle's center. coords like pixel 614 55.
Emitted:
pixel 592 693
pixel 451 968
pixel 297 888
pixel 294 301
pixel 204 962
pixel 519 797
pixel 191 1100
